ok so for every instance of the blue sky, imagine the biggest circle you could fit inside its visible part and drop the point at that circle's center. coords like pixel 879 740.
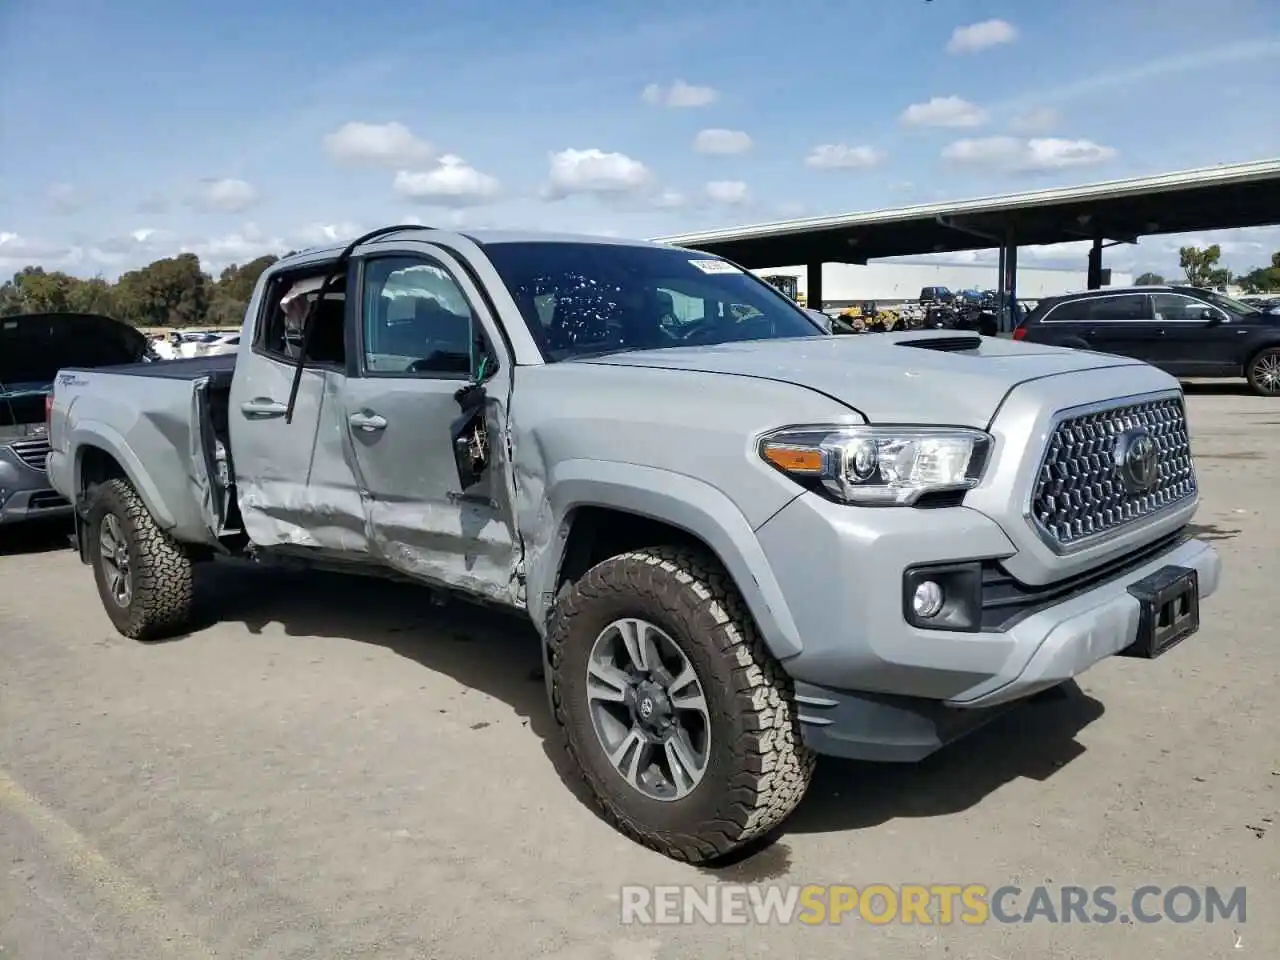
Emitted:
pixel 132 131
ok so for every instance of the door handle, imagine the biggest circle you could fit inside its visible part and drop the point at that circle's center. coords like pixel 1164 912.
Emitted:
pixel 263 408
pixel 368 422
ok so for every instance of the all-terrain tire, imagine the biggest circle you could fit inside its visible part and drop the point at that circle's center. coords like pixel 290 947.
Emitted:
pixel 758 768
pixel 163 579
pixel 1259 383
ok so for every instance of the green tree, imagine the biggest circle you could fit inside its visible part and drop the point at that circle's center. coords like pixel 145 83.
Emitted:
pixel 1149 279
pixel 44 292
pixel 169 292
pixel 92 296
pixel 10 299
pixel 1201 266
pixel 234 289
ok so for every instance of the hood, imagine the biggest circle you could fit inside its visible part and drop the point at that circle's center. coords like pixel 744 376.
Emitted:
pixel 34 347
pixel 908 377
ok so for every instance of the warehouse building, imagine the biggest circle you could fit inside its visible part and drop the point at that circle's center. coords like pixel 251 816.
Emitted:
pixel 889 282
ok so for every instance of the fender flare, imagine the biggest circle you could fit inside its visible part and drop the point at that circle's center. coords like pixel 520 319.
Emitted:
pixel 681 501
pixel 94 434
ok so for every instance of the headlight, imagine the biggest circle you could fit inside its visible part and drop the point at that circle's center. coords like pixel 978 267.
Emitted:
pixel 880 466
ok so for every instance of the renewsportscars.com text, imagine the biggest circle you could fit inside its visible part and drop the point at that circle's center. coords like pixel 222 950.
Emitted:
pixel 931 904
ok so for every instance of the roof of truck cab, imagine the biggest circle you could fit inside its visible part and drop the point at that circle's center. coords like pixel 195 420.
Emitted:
pixel 482 237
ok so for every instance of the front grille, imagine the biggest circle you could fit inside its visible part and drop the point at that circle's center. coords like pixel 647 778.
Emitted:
pixel 1082 491
pixel 32 452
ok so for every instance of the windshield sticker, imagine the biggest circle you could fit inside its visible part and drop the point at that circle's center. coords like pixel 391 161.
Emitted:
pixel 715 266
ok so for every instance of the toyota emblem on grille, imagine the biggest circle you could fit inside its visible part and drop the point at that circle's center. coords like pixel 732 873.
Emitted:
pixel 1137 460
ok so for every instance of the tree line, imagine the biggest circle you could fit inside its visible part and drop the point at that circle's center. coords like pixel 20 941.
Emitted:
pixel 1202 267
pixel 177 292
pixel 170 292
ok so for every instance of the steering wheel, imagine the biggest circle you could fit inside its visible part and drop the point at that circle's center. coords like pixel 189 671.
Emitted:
pixel 441 361
pixel 699 330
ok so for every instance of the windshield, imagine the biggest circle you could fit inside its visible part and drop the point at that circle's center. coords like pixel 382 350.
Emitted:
pixel 586 299
pixel 1229 304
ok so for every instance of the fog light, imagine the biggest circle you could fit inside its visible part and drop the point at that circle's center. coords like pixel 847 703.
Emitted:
pixel 927 600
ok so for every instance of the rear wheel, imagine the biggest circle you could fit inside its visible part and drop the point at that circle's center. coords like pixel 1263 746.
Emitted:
pixel 680 720
pixel 1264 373
pixel 144 576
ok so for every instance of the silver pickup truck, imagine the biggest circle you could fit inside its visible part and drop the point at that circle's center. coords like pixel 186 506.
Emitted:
pixel 744 541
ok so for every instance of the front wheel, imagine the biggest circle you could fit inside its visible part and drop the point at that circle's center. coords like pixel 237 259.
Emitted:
pixel 681 722
pixel 1264 373
pixel 144 576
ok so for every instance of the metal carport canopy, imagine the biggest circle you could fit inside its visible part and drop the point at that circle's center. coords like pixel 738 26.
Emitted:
pixel 1210 198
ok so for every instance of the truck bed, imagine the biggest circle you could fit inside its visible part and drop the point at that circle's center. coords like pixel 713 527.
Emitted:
pixel 217 368
pixel 167 417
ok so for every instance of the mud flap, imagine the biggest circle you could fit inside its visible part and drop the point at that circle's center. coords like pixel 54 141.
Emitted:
pixel 81 535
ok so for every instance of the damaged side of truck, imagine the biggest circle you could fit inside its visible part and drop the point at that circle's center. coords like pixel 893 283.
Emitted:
pixel 327 438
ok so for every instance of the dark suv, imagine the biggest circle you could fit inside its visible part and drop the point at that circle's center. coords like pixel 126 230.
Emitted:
pixel 1185 331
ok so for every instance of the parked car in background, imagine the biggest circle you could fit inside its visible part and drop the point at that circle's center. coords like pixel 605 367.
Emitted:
pixel 936 295
pixel 33 347
pixel 1185 331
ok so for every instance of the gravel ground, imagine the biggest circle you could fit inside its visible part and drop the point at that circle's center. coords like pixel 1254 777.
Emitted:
pixel 333 768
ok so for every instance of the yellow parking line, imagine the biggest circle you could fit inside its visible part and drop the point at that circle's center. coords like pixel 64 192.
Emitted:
pixel 139 906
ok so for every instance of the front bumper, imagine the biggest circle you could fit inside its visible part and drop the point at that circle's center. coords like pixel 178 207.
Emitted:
pixel 25 493
pixel 34 505
pixel 872 686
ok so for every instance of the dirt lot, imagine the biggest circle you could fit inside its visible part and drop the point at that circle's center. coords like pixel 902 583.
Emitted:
pixel 335 769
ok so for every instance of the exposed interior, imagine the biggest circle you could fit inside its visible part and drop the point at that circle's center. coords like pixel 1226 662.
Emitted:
pixel 288 297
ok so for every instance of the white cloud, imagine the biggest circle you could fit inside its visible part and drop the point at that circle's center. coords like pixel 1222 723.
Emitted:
pixel 1035 120
pixel 225 196
pixel 732 193
pixel 594 171
pixel 326 234
pixel 670 200
pixel 717 140
pixel 453 183
pixel 679 94
pixel 239 246
pixel 840 156
pixel 1027 156
pixel 17 252
pixel 944 112
pixel 391 145
pixel 981 36
pixel 65 198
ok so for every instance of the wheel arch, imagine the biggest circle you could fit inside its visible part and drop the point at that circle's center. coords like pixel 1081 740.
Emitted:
pixel 602 509
pixel 101 454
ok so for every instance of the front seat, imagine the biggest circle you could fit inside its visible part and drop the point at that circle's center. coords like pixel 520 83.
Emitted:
pixel 328 337
pixel 446 336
